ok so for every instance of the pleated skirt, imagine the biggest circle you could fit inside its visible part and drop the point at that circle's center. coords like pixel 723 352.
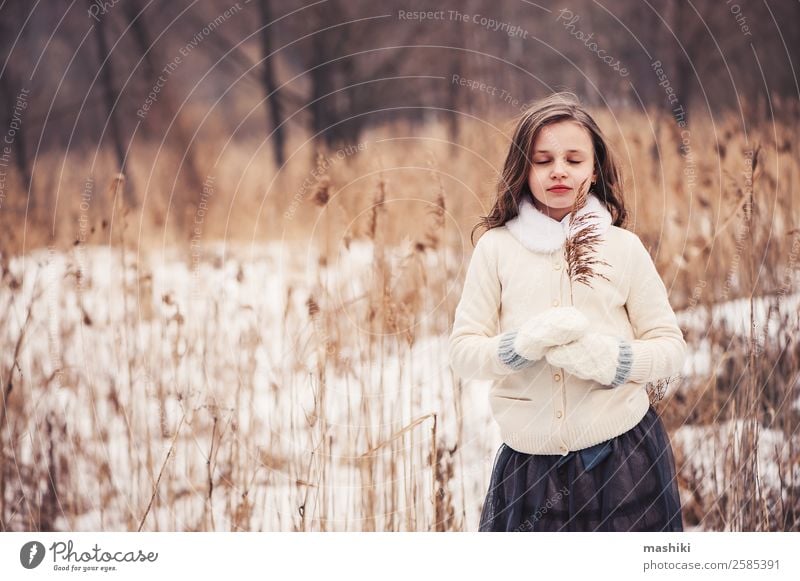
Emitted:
pixel 627 483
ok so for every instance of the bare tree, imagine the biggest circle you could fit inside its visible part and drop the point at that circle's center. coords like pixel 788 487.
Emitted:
pixel 166 112
pixel 272 102
pixel 110 97
pixel 10 85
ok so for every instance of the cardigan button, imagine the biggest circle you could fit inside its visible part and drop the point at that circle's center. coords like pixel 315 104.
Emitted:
pixel 557 377
pixel 563 450
pixel 556 302
pixel 559 413
pixel 557 266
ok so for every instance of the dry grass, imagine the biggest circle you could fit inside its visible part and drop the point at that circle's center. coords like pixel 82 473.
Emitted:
pixel 304 394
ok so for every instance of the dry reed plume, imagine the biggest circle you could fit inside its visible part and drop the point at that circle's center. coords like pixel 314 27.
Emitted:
pixel 581 243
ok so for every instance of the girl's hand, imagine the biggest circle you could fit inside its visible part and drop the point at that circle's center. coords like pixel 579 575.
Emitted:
pixel 594 357
pixel 555 326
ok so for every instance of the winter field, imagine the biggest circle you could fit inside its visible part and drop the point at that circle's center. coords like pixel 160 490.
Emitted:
pixel 303 385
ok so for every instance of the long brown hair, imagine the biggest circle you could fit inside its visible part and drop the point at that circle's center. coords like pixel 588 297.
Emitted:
pixel 513 184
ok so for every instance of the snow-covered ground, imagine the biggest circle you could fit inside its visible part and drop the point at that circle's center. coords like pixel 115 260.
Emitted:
pixel 218 333
pixel 224 332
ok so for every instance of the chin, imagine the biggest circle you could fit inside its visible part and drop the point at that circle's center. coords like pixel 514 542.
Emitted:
pixel 559 202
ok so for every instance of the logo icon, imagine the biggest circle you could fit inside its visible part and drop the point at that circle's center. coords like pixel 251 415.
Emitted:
pixel 31 554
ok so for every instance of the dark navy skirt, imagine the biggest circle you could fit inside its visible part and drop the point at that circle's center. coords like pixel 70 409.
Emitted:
pixel 627 483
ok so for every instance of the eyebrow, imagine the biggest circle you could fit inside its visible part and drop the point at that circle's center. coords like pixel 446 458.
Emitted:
pixel 568 151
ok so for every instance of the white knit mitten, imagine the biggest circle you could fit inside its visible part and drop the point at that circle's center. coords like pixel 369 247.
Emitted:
pixel 555 326
pixel 595 357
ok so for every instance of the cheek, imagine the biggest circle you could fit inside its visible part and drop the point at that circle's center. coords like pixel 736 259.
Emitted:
pixel 535 178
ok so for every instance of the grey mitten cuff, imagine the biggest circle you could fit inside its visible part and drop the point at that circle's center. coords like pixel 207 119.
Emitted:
pixel 624 365
pixel 507 354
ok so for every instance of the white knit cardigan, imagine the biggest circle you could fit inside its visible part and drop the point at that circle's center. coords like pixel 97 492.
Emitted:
pixel 517 271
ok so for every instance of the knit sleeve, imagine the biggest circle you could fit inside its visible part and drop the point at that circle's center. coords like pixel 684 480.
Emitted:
pixel 475 345
pixel 659 349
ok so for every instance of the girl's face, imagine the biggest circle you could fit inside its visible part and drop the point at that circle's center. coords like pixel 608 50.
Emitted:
pixel 562 160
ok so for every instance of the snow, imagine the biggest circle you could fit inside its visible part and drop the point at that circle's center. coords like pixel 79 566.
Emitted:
pixel 223 331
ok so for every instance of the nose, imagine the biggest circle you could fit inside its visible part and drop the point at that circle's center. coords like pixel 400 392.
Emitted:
pixel 559 169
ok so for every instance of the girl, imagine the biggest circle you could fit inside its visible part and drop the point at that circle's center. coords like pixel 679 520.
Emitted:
pixel 582 449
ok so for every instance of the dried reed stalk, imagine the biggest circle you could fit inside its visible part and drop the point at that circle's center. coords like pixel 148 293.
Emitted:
pixel 581 244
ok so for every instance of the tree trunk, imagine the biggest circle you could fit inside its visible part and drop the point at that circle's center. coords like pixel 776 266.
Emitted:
pixel 10 87
pixel 272 103
pixel 181 137
pixel 109 98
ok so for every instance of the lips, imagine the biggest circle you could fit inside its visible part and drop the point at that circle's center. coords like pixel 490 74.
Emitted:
pixel 559 189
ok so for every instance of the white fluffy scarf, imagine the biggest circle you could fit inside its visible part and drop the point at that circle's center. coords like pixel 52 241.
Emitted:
pixel 541 233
